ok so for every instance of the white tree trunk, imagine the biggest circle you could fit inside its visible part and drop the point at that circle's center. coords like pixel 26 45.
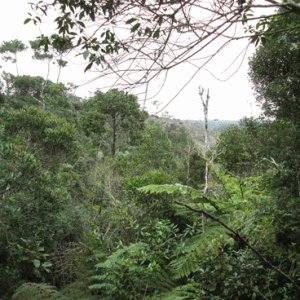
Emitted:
pixel 205 111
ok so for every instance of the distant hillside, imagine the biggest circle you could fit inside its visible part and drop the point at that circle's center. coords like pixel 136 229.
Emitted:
pixel 215 126
pixel 196 127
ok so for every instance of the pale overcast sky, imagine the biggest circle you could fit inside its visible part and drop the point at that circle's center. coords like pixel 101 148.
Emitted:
pixel 229 100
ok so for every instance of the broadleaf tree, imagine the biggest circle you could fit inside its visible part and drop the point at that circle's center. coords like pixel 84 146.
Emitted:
pixel 10 50
pixel 41 55
pixel 274 72
pixel 117 113
pixel 25 90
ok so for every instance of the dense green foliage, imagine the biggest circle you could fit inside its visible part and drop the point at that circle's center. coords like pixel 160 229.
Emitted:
pixel 238 155
pixel 274 71
pixel 101 201
pixel 116 113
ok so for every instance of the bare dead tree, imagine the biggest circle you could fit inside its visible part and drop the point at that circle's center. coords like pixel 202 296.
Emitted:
pixel 206 146
pixel 205 112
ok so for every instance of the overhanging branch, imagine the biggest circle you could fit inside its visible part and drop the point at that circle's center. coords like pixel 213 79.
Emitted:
pixel 261 257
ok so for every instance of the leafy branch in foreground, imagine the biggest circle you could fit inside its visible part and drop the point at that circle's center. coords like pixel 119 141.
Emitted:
pixel 244 240
pixel 172 189
pixel 149 38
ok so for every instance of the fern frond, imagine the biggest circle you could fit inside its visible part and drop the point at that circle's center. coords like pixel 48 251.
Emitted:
pixel 196 248
pixel 162 282
pixel 173 296
pixel 184 190
pixel 99 277
pixel 99 286
pixel 131 260
pixel 132 250
pixel 189 291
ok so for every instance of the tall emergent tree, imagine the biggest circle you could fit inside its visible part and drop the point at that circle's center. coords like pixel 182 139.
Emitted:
pixel 39 54
pixel 10 51
pixel 115 112
pixel 61 45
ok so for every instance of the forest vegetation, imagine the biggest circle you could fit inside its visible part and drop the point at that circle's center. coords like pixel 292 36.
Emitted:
pixel 100 200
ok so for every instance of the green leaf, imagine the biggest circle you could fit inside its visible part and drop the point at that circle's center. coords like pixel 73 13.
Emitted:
pixel 24 258
pixel 254 38
pixel 81 24
pixel 130 20
pixel 135 27
pixel 47 264
pixel 86 54
pixel 96 48
pixel 156 33
pixel 27 20
pixel 36 263
pixel 160 20
pixel 148 31
pixel 81 15
pixel 92 15
pixel 88 66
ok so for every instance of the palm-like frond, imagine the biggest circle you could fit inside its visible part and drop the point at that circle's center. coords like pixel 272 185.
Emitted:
pixel 188 291
pixel 196 248
pixel 179 189
pixel 130 266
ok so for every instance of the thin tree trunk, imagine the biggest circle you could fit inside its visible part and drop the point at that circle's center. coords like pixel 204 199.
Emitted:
pixel 188 172
pixel 42 94
pixel 17 65
pixel 113 148
pixel 59 69
pixel 58 74
pixel 205 111
pixel 48 71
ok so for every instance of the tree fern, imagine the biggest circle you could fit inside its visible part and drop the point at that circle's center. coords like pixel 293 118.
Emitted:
pixel 196 249
pixel 183 190
pixel 173 189
pixel 189 291
pixel 131 272
pixel 238 193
